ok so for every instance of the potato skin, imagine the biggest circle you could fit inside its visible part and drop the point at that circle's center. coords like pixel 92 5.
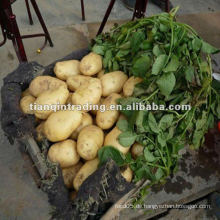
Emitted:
pixel 64 153
pixel 67 68
pixel 107 119
pixel 136 150
pixel 26 92
pixel 100 74
pixel 69 174
pixel 129 85
pixel 74 82
pixel 111 140
pixel 60 95
pixel 127 174
pixel 41 84
pixel 40 131
pixel 60 125
pixel 89 141
pixel 69 99
pixel 86 120
pixel 113 82
pixel 85 171
pixel 89 92
pixel 25 104
pixel 94 112
pixel 91 64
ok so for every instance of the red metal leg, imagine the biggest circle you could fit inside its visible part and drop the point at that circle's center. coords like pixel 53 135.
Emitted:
pixel 83 10
pixel 16 38
pixel 167 6
pixel 105 19
pixel 140 9
pixel 29 12
pixel 37 11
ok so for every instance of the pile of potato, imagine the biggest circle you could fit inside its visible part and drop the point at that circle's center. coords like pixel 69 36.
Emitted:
pixel 78 135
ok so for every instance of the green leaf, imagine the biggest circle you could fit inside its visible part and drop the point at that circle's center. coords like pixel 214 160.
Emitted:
pixel 198 136
pixel 127 138
pixel 98 49
pixel 173 65
pixel 152 123
pixel 157 51
pixel 122 125
pixel 107 152
pixel 166 83
pixel 161 139
pixel 159 64
pixel 139 121
pixel 159 174
pixel 207 48
pixel 189 74
pixel 115 66
pixel 196 44
pixel 166 121
pixel 136 40
pixel 146 45
pixel 141 66
pixel 149 157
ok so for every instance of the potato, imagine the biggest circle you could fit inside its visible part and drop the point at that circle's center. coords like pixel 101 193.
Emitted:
pixel 89 141
pixel 91 64
pixel 60 125
pixel 113 82
pixel 26 92
pixel 44 83
pixel 86 120
pixel 88 93
pixel 40 131
pixel 111 140
pixel 100 74
pixel 127 174
pixel 64 153
pixel 94 111
pixel 65 69
pixel 85 171
pixel 74 82
pixel 129 85
pixel 107 119
pixel 136 150
pixel 25 104
pixel 48 98
pixel 69 174
pixel 69 99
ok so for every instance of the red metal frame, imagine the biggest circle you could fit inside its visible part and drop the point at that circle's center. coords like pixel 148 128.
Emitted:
pixel 11 31
pixel 139 11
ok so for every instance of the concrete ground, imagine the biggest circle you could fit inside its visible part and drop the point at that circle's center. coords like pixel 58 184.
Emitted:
pixel 19 197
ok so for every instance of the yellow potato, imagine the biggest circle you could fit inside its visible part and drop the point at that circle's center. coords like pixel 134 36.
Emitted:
pixel 26 92
pixel 74 82
pixel 107 119
pixel 25 104
pixel 44 83
pixel 89 141
pixel 86 120
pixel 64 153
pixel 100 74
pixel 65 69
pixel 111 140
pixel 129 85
pixel 40 131
pixel 90 64
pixel 127 174
pixel 60 125
pixel 113 82
pixel 85 171
pixel 88 93
pixel 136 150
pixel 95 110
pixel 48 98
pixel 69 174
pixel 69 99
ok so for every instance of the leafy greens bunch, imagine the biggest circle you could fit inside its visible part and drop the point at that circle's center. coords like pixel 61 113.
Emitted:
pixel 175 66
